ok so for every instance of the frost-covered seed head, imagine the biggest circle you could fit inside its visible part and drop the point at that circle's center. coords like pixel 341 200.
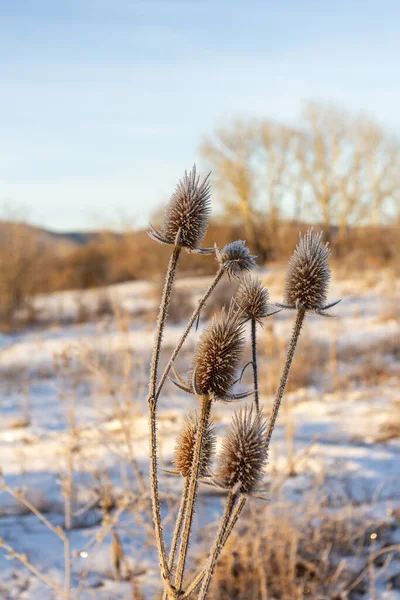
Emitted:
pixel 308 273
pixel 187 212
pixel 235 258
pixel 252 298
pixel 218 354
pixel 184 448
pixel 244 453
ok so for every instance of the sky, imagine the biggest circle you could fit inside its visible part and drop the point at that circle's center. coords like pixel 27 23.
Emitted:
pixel 104 103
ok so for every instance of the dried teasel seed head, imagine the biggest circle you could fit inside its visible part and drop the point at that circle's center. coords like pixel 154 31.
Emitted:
pixel 184 448
pixel 218 354
pixel 244 452
pixel 308 274
pixel 235 258
pixel 252 298
pixel 187 213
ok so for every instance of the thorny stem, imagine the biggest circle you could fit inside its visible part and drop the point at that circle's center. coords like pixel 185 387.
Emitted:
pixel 195 583
pixel 178 528
pixel 235 517
pixel 254 361
pixel 165 301
pixel 193 485
pixel 192 319
pixel 155 496
pixel 285 373
pixel 218 544
pixel 179 524
pixel 162 315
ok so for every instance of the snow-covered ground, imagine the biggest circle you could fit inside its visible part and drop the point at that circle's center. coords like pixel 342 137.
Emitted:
pixel 73 399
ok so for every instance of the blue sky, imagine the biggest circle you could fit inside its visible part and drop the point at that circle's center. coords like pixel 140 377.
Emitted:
pixel 103 103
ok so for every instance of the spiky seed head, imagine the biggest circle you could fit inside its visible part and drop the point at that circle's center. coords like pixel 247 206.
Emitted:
pixel 235 258
pixel 244 452
pixel 184 448
pixel 308 273
pixel 252 298
pixel 187 213
pixel 218 354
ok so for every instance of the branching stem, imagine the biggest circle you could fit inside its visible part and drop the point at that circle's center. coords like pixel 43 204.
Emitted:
pixel 235 517
pixel 218 544
pixel 192 319
pixel 165 301
pixel 178 528
pixel 193 486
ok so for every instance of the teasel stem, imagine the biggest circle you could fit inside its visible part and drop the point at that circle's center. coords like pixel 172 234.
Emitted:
pixel 286 370
pixel 192 319
pixel 195 583
pixel 192 489
pixel 166 296
pixel 162 315
pixel 218 544
pixel 179 524
pixel 254 361
pixel 235 517
pixel 178 528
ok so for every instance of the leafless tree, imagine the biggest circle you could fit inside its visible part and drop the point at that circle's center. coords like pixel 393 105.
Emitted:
pixel 334 167
pixel 347 167
pixel 231 153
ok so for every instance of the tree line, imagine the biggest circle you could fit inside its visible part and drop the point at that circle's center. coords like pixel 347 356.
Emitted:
pixel 331 167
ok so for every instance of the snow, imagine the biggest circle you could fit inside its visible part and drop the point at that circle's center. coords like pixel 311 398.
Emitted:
pixel 335 430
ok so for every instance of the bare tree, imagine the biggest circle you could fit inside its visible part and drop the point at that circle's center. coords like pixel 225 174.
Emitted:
pixel 231 155
pixel 347 167
pixel 337 168
pixel 278 164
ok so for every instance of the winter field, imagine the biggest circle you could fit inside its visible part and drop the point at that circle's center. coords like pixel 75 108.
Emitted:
pixel 73 442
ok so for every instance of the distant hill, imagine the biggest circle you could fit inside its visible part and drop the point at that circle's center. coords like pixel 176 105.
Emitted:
pixel 62 241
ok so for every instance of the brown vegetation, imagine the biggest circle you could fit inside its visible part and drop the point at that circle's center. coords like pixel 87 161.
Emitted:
pixel 294 552
pixel 29 267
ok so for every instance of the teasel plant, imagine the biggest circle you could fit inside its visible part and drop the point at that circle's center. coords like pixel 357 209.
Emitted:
pixel 306 290
pixel 185 224
pixel 240 470
pixel 252 298
pixel 234 260
pixel 213 374
pixel 183 459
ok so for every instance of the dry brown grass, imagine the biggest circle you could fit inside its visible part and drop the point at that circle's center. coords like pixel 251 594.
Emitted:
pixel 20 267
pixel 390 429
pixel 296 552
pixel 390 309
pixel 373 362
pixel 309 365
